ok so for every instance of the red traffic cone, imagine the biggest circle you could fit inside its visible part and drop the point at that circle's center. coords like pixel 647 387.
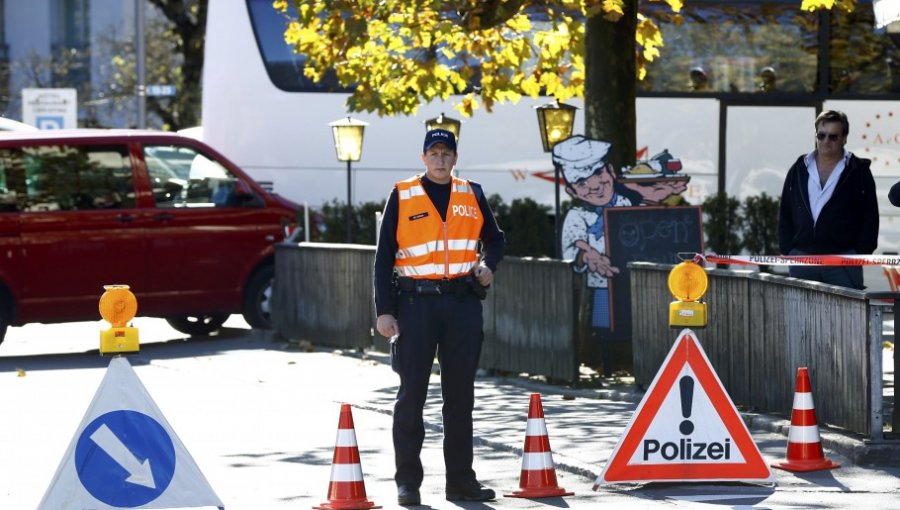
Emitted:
pixel 804 449
pixel 346 490
pixel 538 478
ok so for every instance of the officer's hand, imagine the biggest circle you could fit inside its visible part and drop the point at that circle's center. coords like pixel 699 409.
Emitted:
pixel 387 325
pixel 484 275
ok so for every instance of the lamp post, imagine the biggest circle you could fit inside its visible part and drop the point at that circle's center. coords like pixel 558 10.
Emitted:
pixel 348 139
pixel 448 123
pixel 444 122
pixel 555 121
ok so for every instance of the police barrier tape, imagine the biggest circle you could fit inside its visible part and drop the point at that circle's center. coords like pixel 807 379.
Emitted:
pixel 795 260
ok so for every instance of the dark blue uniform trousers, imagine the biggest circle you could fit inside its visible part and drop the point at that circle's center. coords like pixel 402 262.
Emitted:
pixel 451 325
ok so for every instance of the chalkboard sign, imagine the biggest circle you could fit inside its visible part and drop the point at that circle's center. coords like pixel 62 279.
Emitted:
pixel 646 234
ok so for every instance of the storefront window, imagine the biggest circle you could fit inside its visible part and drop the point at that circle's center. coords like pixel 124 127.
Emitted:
pixel 735 47
pixel 864 59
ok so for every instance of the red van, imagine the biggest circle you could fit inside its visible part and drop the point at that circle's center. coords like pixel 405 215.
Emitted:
pixel 186 229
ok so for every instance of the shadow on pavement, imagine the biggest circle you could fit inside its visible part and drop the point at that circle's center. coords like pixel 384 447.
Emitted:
pixel 227 340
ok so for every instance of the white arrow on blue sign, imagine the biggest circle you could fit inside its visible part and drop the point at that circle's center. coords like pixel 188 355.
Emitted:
pixel 126 455
pixel 125 459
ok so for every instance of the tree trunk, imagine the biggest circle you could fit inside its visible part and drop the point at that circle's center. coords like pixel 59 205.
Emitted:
pixel 609 114
pixel 185 111
pixel 610 80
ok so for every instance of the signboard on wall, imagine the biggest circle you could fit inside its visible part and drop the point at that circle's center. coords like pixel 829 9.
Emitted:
pixel 50 108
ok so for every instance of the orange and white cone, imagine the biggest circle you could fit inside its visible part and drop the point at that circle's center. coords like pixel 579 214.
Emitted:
pixel 804 449
pixel 538 478
pixel 346 490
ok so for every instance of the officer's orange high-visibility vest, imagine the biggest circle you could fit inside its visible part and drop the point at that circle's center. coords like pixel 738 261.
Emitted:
pixel 429 248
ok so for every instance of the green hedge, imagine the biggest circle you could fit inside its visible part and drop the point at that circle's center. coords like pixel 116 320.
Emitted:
pixel 730 226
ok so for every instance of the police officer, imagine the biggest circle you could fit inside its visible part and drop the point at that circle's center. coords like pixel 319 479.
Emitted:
pixel 427 270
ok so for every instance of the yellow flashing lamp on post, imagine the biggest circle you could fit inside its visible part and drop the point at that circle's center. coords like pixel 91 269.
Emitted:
pixel 118 306
pixel 687 283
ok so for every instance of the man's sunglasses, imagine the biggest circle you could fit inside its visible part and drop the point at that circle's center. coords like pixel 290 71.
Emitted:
pixel 831 136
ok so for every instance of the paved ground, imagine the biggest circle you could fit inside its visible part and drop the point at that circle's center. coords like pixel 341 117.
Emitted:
pixel 260 418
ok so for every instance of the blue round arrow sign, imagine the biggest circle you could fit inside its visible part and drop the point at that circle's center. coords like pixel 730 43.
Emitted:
pixel 125 459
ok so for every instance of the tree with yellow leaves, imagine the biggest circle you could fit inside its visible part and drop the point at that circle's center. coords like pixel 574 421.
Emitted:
pixel 398 54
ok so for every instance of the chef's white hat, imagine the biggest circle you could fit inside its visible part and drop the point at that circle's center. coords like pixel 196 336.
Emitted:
pixel 578 156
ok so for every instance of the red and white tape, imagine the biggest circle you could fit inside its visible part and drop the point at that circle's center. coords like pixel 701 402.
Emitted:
pixel 799 260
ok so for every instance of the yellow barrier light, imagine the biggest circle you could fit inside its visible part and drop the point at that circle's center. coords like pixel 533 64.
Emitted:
pixel 118 306
pixel 687 283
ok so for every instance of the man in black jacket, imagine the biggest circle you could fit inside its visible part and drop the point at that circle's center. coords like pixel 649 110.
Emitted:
pixel 828 205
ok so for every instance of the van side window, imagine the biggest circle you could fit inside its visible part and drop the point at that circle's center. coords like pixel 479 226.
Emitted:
pixel 66 178
pixel 182 177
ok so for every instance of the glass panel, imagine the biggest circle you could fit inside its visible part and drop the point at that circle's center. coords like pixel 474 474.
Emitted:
pixel 875 135
pixel 62 178
pixel 734 47
pixel 762 143
pixel 183 177
pixel 689 130
pixel 71 43
pixel 864 60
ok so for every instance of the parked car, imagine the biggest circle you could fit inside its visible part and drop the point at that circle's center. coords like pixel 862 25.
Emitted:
pixel 186 229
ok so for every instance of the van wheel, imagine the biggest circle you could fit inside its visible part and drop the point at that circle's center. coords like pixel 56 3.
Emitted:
pixel 258 299
pixel 197 325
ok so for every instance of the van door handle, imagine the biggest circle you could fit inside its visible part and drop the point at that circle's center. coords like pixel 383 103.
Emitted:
pixel 124 218
pixel 163 217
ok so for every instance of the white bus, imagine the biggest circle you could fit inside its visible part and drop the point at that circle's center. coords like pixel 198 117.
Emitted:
pixel 739 136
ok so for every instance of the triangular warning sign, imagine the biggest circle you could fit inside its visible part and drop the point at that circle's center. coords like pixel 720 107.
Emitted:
pixel 126 455
pixel 686 428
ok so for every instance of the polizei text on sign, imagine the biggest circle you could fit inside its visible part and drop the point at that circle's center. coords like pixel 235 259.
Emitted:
pixel 686 449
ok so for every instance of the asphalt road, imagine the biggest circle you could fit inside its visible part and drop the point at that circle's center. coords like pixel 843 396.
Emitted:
pixel 260 418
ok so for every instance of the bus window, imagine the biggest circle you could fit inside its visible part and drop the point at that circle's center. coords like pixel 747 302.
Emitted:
pixel 284 66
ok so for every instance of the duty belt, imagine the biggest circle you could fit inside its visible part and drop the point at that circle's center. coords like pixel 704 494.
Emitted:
pixel 422 286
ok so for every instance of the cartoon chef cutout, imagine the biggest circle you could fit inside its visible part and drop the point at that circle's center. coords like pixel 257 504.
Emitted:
pixel 590 180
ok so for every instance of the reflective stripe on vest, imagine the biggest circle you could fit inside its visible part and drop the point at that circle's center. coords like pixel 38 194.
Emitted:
pixel 429 248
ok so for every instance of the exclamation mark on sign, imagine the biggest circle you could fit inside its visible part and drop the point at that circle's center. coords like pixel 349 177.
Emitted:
pixel 686 384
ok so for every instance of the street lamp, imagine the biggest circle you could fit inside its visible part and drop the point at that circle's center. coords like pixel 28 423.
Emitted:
pixel 348 139
pixel 444 122
pixel 555 121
